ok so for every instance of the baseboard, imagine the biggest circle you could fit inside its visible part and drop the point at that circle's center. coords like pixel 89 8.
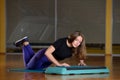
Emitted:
pixel 99 54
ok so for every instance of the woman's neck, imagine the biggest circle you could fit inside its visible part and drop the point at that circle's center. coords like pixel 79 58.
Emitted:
pixel 68 44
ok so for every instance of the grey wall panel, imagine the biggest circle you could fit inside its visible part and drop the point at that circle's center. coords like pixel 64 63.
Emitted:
pixel 32 18
pixel 116 21
pixel 37 17
pixel 87 16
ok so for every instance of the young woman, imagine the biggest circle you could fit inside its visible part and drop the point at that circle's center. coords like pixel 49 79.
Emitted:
pixel 59 50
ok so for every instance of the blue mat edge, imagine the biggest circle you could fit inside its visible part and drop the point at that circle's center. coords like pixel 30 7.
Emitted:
pixel 25 70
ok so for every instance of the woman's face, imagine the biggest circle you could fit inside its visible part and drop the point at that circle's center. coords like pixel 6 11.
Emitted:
pixel 77 41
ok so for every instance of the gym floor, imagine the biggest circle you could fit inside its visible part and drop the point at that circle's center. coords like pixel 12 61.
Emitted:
pixel 16 61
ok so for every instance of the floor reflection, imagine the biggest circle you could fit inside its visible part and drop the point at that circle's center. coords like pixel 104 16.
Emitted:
pixel 108 62
pixel 2 67
pixel 75 77
pixel 34 76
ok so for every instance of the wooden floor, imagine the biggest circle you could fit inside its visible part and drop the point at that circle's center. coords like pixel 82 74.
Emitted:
pixel 15 61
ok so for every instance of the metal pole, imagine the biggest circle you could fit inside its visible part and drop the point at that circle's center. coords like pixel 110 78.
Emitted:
pixel 55 19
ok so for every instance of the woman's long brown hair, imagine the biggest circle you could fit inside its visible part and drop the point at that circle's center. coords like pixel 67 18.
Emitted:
pixel 80 51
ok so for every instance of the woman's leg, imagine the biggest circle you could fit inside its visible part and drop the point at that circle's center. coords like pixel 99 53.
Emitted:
pixel 38 61
pixel 28 53
pixel 32 60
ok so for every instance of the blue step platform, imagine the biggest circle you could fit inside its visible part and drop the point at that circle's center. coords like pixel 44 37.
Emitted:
pixel 77 70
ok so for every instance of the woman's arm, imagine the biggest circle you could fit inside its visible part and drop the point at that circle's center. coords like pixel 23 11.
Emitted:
pixel 49 52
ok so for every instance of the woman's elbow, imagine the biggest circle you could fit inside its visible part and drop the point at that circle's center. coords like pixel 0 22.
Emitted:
pixel 50 50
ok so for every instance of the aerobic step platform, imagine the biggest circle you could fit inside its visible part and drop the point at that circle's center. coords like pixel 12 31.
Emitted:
pixel 77 70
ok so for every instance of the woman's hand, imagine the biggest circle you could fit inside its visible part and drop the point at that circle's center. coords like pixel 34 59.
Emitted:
pixel 64 64
pixel 81 63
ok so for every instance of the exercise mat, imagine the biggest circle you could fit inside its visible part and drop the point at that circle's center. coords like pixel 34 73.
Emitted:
pixel 25 70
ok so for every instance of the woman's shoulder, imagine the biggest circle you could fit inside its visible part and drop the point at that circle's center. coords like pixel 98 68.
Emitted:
pixel 59 42
pixel 62 39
